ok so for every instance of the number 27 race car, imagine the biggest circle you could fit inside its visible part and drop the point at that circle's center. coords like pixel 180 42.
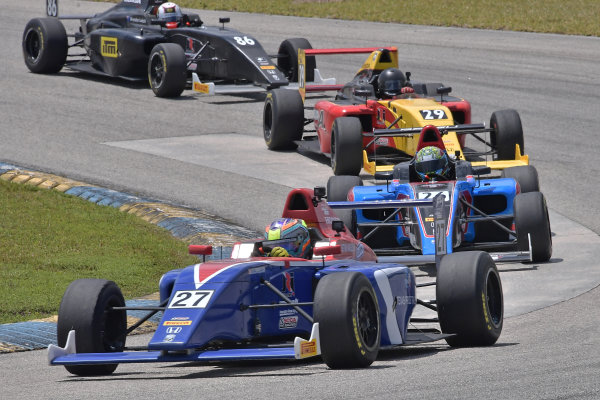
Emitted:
pixel 336 300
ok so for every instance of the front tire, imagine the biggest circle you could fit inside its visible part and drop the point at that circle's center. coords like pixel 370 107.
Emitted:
pixel 45 45
pixel 283 119
pixel 507 132
pixel 469 299
pixel 525 175
pixel 288 59
pixel 85 308
pixel 348 315
pixel 337 190
pixel 167 70
pixel 531 218
pixel 346 146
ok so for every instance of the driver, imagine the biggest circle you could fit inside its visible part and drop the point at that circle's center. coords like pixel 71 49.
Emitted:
pixel 431 164
pixel 391 83
pixel 171 14
pixel 289 228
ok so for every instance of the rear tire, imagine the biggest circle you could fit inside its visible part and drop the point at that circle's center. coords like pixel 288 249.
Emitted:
pixel 469 299
pixel 348 315
pixel 337 190
pixel 525 175
pixel 283 119
pixel 346 146
pixel 288 59
pixel 167 70
pixel 531 218
pixel 45 45
pixel 84 308
pixel 507 132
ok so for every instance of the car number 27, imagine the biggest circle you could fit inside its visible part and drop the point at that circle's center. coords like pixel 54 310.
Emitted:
pixel 191 298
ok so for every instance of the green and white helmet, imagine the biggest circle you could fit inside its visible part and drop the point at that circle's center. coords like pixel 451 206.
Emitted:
pixel 431 162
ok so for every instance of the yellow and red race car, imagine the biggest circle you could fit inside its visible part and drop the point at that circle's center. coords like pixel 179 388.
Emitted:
pixel 375 120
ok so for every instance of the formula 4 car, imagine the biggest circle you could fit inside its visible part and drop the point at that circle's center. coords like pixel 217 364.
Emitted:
pixel 362 129
pixel 337 301
pixel 129 41
pixel 493 213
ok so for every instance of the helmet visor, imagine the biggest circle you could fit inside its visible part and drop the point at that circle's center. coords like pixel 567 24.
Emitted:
pixel 431 166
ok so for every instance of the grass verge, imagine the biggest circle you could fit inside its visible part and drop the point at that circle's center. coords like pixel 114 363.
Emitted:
pixel 48 239
pixel 573 17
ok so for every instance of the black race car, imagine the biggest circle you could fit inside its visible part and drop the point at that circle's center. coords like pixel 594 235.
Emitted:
pixel 130 42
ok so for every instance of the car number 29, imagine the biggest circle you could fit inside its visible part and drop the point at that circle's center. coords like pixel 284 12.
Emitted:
pixel 191 298
pixel 433 114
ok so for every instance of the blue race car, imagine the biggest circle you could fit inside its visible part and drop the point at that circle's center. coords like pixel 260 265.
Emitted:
pixel 493 213
pixel 335 300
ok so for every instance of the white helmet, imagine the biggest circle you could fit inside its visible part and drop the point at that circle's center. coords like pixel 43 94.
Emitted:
pixel 169 12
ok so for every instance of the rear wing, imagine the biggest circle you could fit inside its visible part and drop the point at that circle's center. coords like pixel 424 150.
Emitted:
pixel 379 59
pixel 440 227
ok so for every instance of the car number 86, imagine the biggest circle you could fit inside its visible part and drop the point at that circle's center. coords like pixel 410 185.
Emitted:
pixel 191 299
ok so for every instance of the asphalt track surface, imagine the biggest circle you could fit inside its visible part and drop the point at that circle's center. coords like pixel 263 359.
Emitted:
pixel 208 153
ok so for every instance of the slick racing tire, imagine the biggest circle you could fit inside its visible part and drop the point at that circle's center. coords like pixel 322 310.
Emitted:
pixel 167 70
pixel 337 190
pixel 525 175
pixel 531 218
pixel 346 146
pixel 348 315
pixel 283 119
pixel 85 308
pixel 506 133
pixel 287 59
pixel 469 299
pixel 45 45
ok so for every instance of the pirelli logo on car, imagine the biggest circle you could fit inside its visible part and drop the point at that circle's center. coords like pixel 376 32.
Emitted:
pixel 108 47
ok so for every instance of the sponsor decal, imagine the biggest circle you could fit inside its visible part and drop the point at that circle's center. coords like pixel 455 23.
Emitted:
pixel 290 311
pixel 133 1
pixel 257 270
pixel 174 329
pixel 137 20
pixel 108 47
pixel 267 67
pixel 169 338
pixel 308 349
pixel 288 283
pixel 404 300
pixel 360 250
pixel 177 323
pixel 288 322
pixel 201 87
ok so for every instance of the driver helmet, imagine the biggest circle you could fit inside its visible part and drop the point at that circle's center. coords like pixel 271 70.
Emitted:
pixel 294 229
pixel 390 83
pixel 169 13
pixel 431 162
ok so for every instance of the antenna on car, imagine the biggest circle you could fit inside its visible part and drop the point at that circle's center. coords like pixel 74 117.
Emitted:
pixel 319 193
pixel 223 21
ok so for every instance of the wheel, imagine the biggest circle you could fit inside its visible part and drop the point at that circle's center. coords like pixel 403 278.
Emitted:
pixel 283 119
pixel 525 175
pixel 287 60
pixel 346 146
pixel 167 70
pixel 531 218
pixel 337 190
pixel 507 132
pixel 469 299
pixel 45 45
pixel 348 315
pixel 85 308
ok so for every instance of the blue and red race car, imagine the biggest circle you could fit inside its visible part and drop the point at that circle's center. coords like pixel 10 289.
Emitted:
pixel 340 302
pixel 491 213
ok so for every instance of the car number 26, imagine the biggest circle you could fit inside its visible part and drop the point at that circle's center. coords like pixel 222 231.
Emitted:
pixel 191 298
